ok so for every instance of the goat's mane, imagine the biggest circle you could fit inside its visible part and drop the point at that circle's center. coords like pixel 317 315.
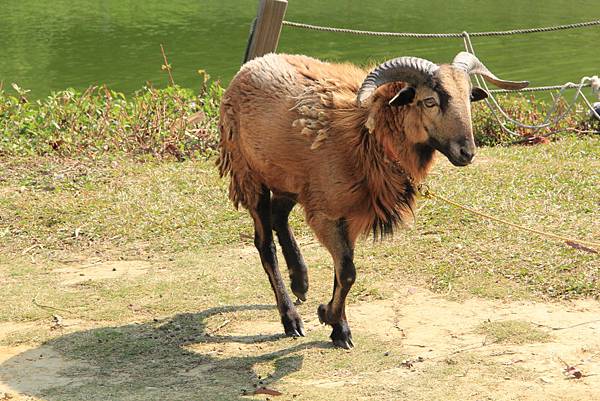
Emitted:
pixel 330 109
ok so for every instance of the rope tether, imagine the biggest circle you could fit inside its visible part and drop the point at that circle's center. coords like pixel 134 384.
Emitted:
pixel 568 85
pixel 493 104
pixel 425 192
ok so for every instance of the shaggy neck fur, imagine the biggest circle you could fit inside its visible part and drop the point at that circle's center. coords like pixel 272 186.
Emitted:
pixel 391 158
pixel 389 150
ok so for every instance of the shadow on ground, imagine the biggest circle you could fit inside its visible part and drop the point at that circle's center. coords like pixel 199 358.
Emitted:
pixel 164 359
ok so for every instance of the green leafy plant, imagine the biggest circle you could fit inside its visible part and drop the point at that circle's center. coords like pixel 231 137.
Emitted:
pixel 170 122
pixel 533 111
pixel 175 122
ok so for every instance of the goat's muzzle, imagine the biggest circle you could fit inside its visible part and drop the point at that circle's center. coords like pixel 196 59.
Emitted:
pixel 459 153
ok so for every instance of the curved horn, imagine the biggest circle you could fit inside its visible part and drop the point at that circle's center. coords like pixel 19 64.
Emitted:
pixel 413 70
pixel 471 65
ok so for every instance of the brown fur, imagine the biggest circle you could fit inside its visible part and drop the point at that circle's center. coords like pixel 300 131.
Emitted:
pixel 291 123
pixel 291 131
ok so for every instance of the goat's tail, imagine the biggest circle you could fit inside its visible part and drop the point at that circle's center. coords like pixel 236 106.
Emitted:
pixel 244 188
pixel 227 127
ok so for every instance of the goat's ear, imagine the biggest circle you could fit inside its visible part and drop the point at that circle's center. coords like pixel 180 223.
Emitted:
pixel 404 97
pixel 478 94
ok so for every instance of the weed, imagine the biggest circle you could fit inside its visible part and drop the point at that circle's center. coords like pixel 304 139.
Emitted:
pixel 532 111
pixel 171 122
pixel 176 123
pixel 513 332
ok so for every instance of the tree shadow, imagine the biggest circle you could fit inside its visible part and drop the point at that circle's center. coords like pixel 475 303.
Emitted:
pixel 169 359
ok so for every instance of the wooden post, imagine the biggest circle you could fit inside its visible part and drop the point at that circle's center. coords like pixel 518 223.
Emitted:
pixel 266 28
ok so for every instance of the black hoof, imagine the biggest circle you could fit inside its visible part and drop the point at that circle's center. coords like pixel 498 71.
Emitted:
pixel 341 335
pixel 292 324
pixel 299 284
pixel 300 295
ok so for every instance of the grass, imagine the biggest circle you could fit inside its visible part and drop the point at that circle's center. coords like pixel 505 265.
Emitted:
pixel 533 111
pixel 513 332
pixel 149 336
pixel 176 123
pixel 55 210
pixel 178 328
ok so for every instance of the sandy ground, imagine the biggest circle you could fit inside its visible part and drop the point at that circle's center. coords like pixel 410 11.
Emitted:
pixel 432 330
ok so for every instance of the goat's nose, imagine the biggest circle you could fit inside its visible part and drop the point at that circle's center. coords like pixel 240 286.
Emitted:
pixel 467 154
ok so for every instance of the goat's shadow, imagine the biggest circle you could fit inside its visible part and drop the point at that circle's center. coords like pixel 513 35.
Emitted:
pixel 169 359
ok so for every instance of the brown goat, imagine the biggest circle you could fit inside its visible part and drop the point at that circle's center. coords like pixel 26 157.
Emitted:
pixel 349 149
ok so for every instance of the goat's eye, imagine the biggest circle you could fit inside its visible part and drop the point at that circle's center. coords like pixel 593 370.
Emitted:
pixel 429 102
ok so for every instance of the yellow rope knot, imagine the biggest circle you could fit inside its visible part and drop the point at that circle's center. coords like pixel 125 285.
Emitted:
pixel 423 191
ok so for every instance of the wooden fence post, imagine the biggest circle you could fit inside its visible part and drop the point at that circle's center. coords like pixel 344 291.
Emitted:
pixel 266 28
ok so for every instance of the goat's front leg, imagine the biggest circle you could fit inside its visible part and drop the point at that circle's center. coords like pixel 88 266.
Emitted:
pixel 263 239
pixel 334 235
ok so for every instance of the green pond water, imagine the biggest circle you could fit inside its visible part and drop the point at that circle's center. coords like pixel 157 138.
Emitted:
pixel 51 45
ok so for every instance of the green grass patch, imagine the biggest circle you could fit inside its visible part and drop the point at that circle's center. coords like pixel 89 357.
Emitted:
pixel 59 211
pixel 534 111
pixel 175 122
pixel 200 321
pixel 513 332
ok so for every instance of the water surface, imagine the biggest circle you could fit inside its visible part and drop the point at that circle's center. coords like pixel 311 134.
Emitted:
pixel 51 45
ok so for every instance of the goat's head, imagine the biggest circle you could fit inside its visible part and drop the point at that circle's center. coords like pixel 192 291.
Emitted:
pixel 440 95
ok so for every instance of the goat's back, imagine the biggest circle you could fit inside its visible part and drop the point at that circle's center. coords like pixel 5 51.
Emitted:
pixel 261 144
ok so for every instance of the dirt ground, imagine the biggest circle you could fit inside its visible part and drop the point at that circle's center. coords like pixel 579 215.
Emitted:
pixel 131 281
pixel 419 346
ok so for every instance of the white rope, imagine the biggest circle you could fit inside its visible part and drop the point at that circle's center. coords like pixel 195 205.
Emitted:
pixel 495 107
pixel 440 35
pixel 539 88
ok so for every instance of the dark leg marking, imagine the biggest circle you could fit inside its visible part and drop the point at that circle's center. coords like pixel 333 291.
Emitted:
pixel 281 208
pixel 334 236
pixel 263 239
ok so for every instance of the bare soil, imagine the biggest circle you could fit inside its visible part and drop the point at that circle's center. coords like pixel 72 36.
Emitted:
pixel 440 351
pixel 102 270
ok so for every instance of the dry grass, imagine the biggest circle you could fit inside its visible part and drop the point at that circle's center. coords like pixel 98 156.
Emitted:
pixel 513 332
pixel 196 321
pixel 54 209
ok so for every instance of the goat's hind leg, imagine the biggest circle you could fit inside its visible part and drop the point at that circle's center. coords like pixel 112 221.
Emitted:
pixel 281 208
pixel 263 239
